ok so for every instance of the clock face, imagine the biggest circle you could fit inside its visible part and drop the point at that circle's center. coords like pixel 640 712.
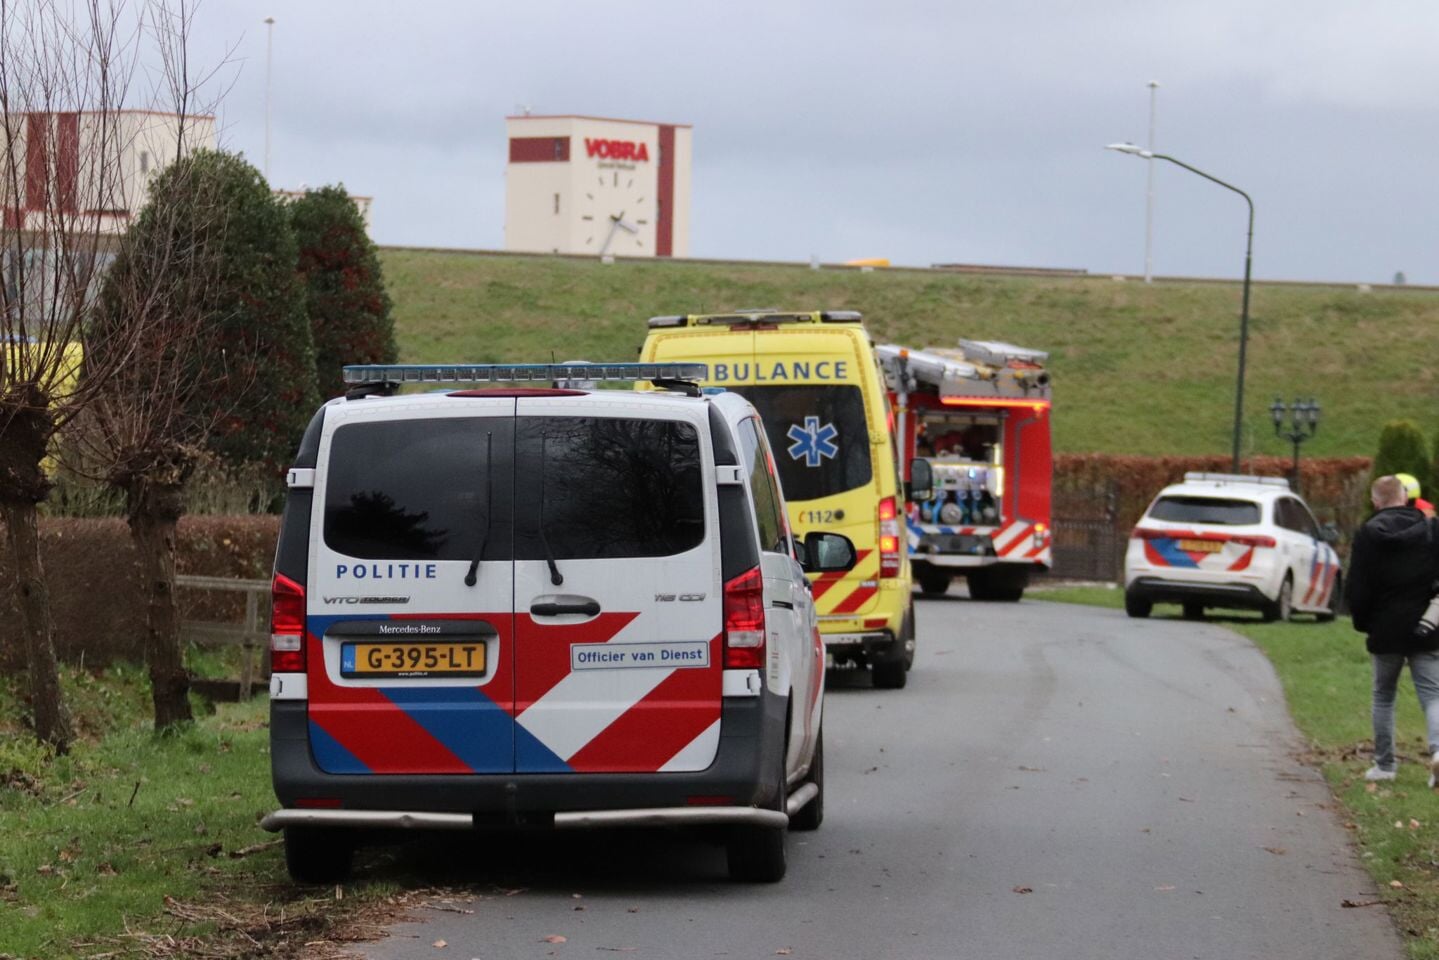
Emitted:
pixel 616 213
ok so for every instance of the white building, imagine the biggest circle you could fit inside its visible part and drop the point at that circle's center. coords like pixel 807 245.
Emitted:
pixel 598 186
pixel 74 171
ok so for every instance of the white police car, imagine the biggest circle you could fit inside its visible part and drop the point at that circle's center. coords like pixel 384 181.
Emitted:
pixel 535 606
pixel 1234 542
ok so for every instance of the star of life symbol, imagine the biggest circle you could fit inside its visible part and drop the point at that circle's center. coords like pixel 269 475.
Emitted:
pixel 813 443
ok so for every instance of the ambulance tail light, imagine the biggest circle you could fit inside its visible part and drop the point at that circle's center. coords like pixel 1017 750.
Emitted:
pixel 889 537
pixel 744 626
pixel 287 625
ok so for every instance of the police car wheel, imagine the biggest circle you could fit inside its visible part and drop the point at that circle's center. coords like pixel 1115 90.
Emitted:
pixel 1194 611
pixel 812 814
pixel 1137 607
pixel 317 856
pixel 1282 606
pixel 757 854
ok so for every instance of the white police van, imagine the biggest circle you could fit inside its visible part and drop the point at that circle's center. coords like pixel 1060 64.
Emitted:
pixel 528 605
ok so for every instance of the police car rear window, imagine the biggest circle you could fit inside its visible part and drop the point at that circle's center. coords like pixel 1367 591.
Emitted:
pixel 416 489
pixel 600 487
pixel 819 436
pixel 1216 510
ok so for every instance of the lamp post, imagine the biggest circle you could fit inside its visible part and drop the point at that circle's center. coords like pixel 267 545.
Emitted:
pixel 269 45
pixel 1132 150
pixel 1149 193
pixel 1303 425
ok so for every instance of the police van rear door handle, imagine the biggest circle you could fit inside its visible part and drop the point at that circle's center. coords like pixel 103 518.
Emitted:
pixel 589 608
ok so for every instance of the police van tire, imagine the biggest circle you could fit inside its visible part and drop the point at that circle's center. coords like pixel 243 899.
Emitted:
pixel 811 815
pixel 933 582
pixel 314 855
pixel 757 854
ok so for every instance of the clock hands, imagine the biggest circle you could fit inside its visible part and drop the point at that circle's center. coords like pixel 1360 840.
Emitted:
pixel 619 219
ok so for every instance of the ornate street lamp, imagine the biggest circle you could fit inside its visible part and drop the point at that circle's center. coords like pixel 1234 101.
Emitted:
pixel 1303 425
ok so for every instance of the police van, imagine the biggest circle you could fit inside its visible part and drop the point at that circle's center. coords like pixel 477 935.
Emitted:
pixel 530 605
pixel 816 382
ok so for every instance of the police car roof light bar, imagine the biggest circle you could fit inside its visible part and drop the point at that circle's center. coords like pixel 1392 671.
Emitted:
pixel 402 373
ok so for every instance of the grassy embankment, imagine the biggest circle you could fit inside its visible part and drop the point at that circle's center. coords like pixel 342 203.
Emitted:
pixel 1138 369
pixel 1325 674
pixel 141 846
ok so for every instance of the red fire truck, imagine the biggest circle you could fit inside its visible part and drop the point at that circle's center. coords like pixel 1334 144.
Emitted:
pixel 980 415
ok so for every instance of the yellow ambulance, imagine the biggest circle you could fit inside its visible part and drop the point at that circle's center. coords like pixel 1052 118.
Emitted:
pixel 814 378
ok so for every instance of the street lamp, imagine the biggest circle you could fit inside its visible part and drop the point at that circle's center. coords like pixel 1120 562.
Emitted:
pixel 1149 193
pixel 1303 425
pixel 1132 150
pixel 269 45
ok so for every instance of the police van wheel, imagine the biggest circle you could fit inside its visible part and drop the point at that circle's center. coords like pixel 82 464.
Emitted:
pixel 933 582
pixel 757 854
pixel 812 814
pixel 317 856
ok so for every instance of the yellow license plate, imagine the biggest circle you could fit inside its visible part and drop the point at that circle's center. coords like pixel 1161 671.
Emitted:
pixel 456 659
pixel 1201 546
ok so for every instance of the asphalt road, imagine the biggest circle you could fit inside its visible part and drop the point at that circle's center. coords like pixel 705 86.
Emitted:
pixel 1056 781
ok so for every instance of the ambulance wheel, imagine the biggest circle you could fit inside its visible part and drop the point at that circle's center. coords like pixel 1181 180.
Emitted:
pixel 314 855
pixel 756 854
pixel 811 815
pixel 1282 607
pixel 933 582
pixel 1194 611
pixel 891 673
pixel 1136 606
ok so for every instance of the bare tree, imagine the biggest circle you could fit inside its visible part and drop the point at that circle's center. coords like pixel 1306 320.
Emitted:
pixel 66 182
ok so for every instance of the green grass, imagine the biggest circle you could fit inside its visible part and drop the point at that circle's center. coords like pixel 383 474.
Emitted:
pixel 133 837
pixel 1138 369
pixel 1325 673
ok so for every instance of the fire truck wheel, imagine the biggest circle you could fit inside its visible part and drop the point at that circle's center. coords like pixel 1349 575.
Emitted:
pixel 1001 584
pixel 933 582
pixel 1137 607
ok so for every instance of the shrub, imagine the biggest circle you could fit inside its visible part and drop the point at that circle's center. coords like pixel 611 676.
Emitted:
pixel 1402 450
pixel 345 292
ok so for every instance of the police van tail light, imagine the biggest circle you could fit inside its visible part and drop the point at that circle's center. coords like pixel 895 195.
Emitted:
pixel 744 621
pixel 287 625
pixel 888 537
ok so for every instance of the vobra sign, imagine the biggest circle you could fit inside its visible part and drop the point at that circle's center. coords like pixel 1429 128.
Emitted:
pixel 616 150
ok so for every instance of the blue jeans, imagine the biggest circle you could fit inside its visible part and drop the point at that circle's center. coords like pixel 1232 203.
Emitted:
pixel 1424 668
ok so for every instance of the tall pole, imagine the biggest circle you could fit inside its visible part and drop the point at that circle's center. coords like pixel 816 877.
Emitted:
pixel 1243 331
pixel 269 45
pixel 1149 193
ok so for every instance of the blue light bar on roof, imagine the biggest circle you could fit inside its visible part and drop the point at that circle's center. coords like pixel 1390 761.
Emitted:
pixel 401 373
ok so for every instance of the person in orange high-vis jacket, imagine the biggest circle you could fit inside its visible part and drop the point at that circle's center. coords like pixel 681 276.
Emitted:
pixel 1412 491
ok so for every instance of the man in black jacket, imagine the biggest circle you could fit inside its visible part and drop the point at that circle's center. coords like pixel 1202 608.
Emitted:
pixel 1392 569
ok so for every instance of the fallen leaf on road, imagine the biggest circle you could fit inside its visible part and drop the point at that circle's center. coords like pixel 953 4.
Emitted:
pixel 1277 851
pixel 1023 889
pixel 439 944
pixel 515 892
pixel 633 910
pixel 783 952
pixel 554 938
pixel 581 907
pixel 1164 889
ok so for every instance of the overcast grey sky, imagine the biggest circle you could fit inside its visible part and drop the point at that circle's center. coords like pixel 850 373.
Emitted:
pixel 923 132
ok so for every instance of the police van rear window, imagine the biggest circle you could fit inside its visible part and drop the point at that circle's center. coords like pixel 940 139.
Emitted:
pixel 600 487
pixel 819 436
pixel 575 487
pixel 1217 510
pixel 416 489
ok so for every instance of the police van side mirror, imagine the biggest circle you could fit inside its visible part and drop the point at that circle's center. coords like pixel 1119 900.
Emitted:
pixel 827 553
pixel 921 481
